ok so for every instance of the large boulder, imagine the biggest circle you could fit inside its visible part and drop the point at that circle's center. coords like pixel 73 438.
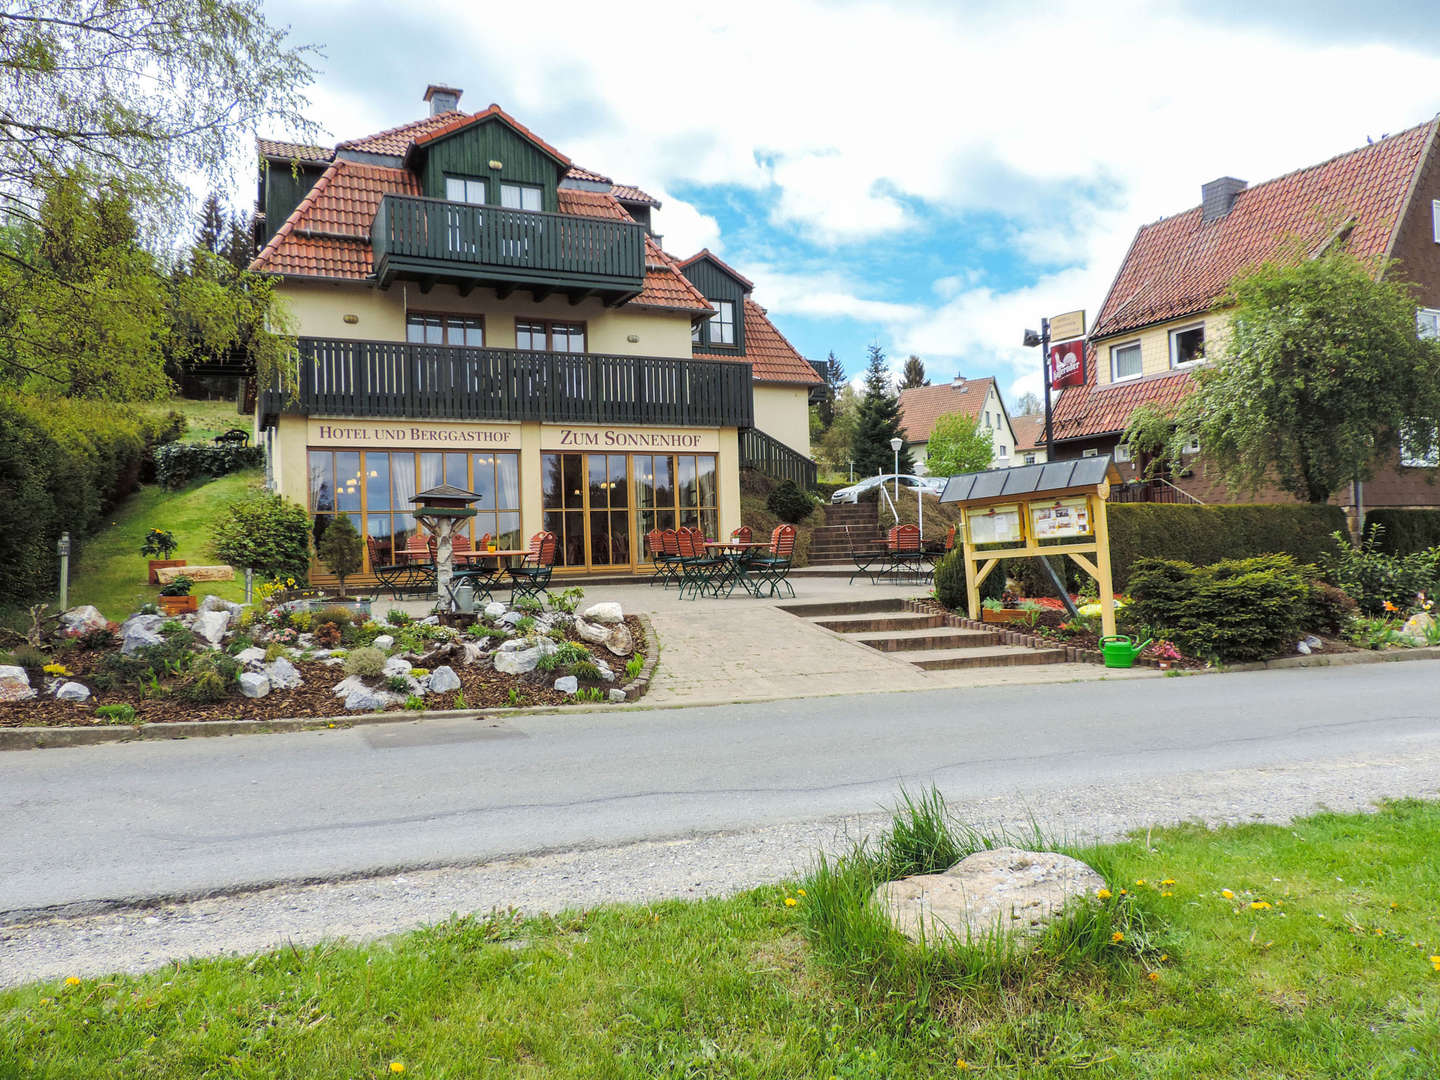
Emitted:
pixel 216 603
pixel 396 665
pixel 253 656
pixel 1415 628
pixel 620 641
pixel 72 691
pixel 567 684
pixel 443 680
pixel 253 684
pixel 607 612
pixel 83 620
pixel 138 631
pixel 592 632
pixel 212 626
pixel 617 696
pixel 15 684
pixel 494 610
pixel 283 675
pixel 367 700
pixel 1005 888
pixel 519 656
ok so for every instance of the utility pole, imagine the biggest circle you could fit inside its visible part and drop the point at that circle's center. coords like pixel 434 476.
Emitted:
pixel 1043 340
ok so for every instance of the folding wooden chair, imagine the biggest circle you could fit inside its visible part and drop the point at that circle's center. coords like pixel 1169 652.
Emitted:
pixel 771 570
pixel 698 568
pixel 532 576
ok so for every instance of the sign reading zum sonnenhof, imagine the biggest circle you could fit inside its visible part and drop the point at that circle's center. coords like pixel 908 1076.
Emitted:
pixel 628 439
pixel 402 433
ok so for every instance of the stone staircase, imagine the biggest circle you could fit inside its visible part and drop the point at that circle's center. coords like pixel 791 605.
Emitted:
pixel 828 546
pixel 929 640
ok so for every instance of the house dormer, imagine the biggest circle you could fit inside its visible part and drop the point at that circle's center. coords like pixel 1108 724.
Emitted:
pixel 726 289
pixel 490 159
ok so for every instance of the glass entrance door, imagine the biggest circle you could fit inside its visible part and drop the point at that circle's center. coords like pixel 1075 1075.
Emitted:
pixel 586 500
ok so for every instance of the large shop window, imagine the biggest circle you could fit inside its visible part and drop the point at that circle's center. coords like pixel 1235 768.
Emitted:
pixel 676 489
pixel 375 488
pixel 445 330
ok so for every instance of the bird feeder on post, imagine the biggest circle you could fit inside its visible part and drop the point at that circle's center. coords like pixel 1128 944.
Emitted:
pixel 439 510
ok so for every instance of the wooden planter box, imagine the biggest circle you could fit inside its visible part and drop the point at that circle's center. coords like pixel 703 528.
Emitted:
pixel 161 564
pixel 177 605
pixel 1005 615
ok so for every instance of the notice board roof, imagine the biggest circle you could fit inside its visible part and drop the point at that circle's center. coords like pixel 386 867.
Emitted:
pixel 1029 481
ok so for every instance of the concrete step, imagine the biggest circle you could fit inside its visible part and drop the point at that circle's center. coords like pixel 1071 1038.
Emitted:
pixel 842 607
pixel 874 623
pixel 989 656
pixel 931 639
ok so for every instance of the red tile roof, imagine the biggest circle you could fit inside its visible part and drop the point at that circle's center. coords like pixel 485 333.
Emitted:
pixel 706 253
pixel 590 203
pixel 1180 265
pixel 459 121
pixel 921 406
pixel 1091 410
pixel 396 141
pixel 1029 430
pixel 630 193
pixel 579 173
pixel 665 286
pixel 771 356
pixel 288 151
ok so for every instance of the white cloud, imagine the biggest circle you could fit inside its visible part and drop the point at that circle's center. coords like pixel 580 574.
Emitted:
pixel 685 228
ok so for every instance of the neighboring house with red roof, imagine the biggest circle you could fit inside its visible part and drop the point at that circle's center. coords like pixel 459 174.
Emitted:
pixel 1029 431
pixel 474 308
pixel 978 400
pixel 1380 201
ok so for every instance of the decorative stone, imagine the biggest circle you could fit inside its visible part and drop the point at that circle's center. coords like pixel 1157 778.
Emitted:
pixel 616 696
pixel 1413 632
pixel 283 675
pixel 82 620
pixel 216 603
pixel 253 655
pixel 607 612
pixel 368 700
pixel 562 619
pixel 396 665
pixel 620 641
pixel 494 610
pixel 167 574
pixel 518 657
pixel 606 672
pixel 72 691
pixel 430 620
pixel 212 626
pixel 596 635
pixel 253 684
pixel 511 618
pixel 348 685
pixel 474 651
pixel 15 684
pixel 567 684
pixel 139 631
pixel 1009 888
pixel 384 642
pixel 1302 648
pixel 443 680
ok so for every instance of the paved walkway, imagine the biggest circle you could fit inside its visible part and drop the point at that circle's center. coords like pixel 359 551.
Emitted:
pixel 714 652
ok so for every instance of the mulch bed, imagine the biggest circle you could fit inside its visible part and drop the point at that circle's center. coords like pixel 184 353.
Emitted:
pixel 482 685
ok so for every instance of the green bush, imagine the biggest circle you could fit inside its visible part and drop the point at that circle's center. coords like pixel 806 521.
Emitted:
pixel 340 549
pixel 1209 534
pixel 367 662
pixel 1232 610
pixel 789 503
pixel 177 463
pixel 1403 532
pixel 1374 578
pixel 266 533
pixel 950 582
pixel 211 678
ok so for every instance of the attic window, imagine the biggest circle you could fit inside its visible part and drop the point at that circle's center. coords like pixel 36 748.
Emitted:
pixel 463 189
pixel 722 323
pixel 520 197
pixel 1125 361
pixel 1187 346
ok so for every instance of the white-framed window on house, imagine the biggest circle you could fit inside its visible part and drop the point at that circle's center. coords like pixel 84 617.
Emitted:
pixel 464 189
pixel 1125 361
pixel 1192 446
pixel 1122 452
pixel 1419 453
pixel 1029 459
pixel 520 196
pixel 1092 452
pixel 722 323
pixel 462 224
pixel 1427 322
pixel 1435 218
pixel 1187 346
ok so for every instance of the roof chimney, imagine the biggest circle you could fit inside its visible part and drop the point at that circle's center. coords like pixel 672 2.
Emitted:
pixel 442 98
pixel 1218 196
pixel 959 382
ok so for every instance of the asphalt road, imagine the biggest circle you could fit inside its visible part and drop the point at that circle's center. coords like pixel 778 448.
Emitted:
pixel 168 819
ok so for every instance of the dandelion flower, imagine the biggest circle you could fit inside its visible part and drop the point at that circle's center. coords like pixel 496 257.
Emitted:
pixel 1168 881
pixel 397 1067
pixel 799 892
pixel 1116 938
pixel 1394 905
pixel 790 901
pixel 1166 894
pixel 1102 894
pixel 1124 892
pixel 1140 881
pixel 1164 956
pixel 71 980
pixel 1435 959
pixel 1261 905
pixel 1153 976
pixel 962 1065
pixel 1227 894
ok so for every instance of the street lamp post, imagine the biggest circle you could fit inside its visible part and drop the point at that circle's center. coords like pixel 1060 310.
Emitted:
pixel 1043 340
pixel 895 445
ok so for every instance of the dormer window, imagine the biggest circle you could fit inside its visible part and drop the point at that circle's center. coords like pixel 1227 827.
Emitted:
pixel 722 323
pixel 520 197
pixel 464 189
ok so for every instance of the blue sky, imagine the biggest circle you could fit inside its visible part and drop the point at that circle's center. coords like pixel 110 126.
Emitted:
pixel 931 177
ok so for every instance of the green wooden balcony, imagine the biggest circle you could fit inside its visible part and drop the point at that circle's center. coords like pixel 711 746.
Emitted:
pixel 448 382
pixel 434 240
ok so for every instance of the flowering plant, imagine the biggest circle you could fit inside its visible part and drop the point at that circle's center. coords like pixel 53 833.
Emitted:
pixel 1165 650
pixel 158 544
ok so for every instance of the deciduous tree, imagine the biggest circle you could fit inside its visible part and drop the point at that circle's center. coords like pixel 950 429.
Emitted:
pixel 958 444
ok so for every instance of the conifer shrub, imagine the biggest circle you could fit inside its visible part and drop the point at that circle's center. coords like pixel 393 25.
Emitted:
pixel 367 662
pixel 788 503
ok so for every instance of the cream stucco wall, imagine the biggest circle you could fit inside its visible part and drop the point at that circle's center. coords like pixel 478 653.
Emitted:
pixel 783 412
pixel 992 413
pixel 1155 344
pixel 319 310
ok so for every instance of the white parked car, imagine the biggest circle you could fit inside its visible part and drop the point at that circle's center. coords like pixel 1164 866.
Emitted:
pixel 931 485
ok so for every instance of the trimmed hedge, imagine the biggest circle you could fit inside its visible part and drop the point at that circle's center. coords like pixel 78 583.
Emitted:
pixel 63 465
pixel 1202 535
pixel 1403 532
pixel 177 463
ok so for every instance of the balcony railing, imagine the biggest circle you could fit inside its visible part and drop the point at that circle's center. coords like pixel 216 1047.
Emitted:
pixel 447 382
pixel 436 238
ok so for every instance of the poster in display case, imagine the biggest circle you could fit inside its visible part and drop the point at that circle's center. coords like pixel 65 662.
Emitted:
pixel 1062 517
pixel 995 524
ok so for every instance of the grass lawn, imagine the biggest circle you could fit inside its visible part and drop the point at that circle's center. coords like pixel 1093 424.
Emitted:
pixel 1328 978
pixel 110 572
pixel 207 418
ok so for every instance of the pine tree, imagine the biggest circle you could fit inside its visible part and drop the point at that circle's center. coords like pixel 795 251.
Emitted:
pixel 213 226
pixel 878 422
pixel 913 374
pixel 833 374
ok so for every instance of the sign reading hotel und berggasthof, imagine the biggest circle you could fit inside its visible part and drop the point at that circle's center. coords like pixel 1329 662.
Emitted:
pixel 398 433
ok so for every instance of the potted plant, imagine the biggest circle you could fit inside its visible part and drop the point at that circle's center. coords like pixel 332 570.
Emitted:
pixel 995 611
pixel 175 598
pixel 157 547
pixel 1165 653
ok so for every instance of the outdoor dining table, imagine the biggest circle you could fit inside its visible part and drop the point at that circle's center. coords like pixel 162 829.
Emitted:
pixel 735 553
pixel 481 578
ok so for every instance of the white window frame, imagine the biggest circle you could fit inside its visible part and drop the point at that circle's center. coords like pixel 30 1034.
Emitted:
pixel 1411 461
pixel 1092 452
pixel 1192 446
pixel 1175 362
pixel 718 324
pixel 1435 218
pixel 1122 452
pixel 1029 459
pixel 1115 376
pixel 1427 322
pixel 525 191
pixel 466 183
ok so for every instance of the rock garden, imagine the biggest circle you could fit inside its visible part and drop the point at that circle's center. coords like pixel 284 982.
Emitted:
pixel 287 658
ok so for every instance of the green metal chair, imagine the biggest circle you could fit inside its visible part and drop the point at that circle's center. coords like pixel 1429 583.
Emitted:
pixel 769 571
pixel 699 570
pixel 532 576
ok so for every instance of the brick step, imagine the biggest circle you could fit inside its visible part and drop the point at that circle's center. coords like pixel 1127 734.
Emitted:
pixel 831 560
pixel 843 607
pixel 991 656
pixel 868 624
pixel 940 638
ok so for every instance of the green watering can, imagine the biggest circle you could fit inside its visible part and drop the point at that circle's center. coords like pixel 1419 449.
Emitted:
pixel 1120 651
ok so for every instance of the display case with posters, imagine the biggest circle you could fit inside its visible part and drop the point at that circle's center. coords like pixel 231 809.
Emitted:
pixel 995 524
pixel 1062 517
